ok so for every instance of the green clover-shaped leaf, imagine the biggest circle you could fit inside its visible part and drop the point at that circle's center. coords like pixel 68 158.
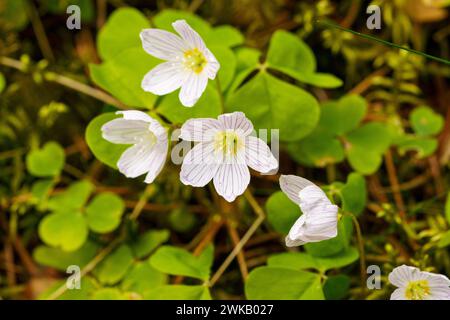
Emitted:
pixel 46 162
pixel 425 121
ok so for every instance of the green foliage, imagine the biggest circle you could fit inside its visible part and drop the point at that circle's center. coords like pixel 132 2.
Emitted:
pixel 284 284
pixel 148 241
pixel 60 259
pixel 336 287
pixel 177 261
pixel 121 32
pixel 340 132
pixel 46 162
pixel 304 261
pixel 425 121
pixel 208 106
pixel 122 76
pixel 115 266
pixel 2 82
pixel 274 104
pixel 68 225
pixel 290 55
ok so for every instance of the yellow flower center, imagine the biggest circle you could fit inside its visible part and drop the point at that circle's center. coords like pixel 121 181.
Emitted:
pixel 227 142
pixel 194 60
pixel 417 290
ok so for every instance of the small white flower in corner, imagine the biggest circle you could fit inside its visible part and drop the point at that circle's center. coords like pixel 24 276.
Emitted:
pixel 149 139
pixel 189 63
pixel 224 151
pixel 414 284
pixel 319 219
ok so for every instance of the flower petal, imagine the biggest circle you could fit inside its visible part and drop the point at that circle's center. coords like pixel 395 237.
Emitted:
pixel 236 121
pixel 258 155
pixel 157 161
pixel 139 159
pixel 398 294
pixel 123 131
pixel 192 88
pixel 164 78
pixel 231 180
pixel 213 65
pixel 189 35
pixel 163 44
pixel 402 275
pixel 200 129
pixel 199 165
pixel 135 115
pixel 292 185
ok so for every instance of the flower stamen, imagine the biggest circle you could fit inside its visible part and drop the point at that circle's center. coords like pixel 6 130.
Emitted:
pixel 417 290
pixel 194 60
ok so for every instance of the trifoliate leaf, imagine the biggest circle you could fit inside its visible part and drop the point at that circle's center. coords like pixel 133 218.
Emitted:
pixel 142 278
pixel 115 266
pixel 341 116
pixel 270 283
pixel 225 35
pixel 66 230
pixel 104 212
pixel 46 162
pixel 317 149
pixel 121 32
pixel 122 76
pixel 149 241
pixel 423 146
pixel 74 197
pixel 366 146
pixel 425 121
pixel 177 261
pixel 59 259
pixel 274 104
pixel 290 55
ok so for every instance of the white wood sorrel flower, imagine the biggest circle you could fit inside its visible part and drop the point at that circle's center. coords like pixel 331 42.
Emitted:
pixel 224 151
pixel 414 284
pixel 149 140
pixel 189 63
pixel 319 219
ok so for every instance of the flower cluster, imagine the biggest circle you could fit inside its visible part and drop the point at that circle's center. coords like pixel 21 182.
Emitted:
pixel 225 148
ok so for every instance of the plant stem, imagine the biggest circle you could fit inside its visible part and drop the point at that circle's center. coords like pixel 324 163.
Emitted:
pixel 260 218
pixel 362 256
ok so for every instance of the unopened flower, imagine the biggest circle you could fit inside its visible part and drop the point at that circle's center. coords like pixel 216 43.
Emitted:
pixel 224 151
pixel 414 284
pixel 149 140
pixel 319 219
pixel 189 63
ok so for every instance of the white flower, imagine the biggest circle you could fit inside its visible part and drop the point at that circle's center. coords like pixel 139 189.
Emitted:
pixel 319 219
pixel 149 140
pixel 223 153
pixel 414 284
pixel 189 63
